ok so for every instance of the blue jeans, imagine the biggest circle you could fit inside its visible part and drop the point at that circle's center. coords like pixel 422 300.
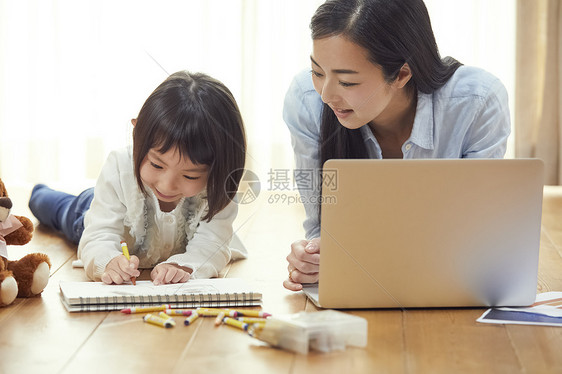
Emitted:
pixel 61 211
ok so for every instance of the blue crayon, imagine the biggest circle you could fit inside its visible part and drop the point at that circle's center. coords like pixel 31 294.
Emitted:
pixel 189 320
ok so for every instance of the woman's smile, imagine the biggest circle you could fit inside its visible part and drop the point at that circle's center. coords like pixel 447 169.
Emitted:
pixel 342 113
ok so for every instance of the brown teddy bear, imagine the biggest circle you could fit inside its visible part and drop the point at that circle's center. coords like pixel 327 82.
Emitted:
pixel 28 276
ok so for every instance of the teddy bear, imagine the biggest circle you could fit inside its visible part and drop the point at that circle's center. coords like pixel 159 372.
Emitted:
pixel 28 276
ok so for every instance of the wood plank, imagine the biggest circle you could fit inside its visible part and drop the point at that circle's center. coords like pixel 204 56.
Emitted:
pixel 268 234
pixel 384 353
pixel 550 266
pixel 125 343
pixel 552 216
pixel 451 341
pixel 227 349
pixel 537 347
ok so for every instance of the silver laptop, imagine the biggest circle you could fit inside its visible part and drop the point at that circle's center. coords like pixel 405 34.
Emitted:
pixel 429 233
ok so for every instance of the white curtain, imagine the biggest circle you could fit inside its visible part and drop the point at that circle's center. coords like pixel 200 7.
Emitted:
pixel 539 84
pixel 479 33
pixel 74 72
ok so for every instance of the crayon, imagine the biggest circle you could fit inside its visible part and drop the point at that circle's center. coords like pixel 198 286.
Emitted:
pixel 256 325
pixel 178 312
pixel 146 309
pixel 155 320
pixel 212 312
pixel 189 320
pixel 252 313
pixel 251 319
pixel 235 323
pixel 219 318
pixel 126 254
pixel 166 317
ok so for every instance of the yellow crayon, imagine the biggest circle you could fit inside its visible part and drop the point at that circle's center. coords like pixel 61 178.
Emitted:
pixel 126 254
pixel 178 312
pixel 252 313
pixel 252 319
pixel 189 320
pixel 219 318
pixel 166 317
pixel 155 320
pixel 235 323
pixel 212 312
pixel 257 325
pixel 146 309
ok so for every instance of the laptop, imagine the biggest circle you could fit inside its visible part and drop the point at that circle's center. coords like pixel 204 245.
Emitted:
pixel 429 233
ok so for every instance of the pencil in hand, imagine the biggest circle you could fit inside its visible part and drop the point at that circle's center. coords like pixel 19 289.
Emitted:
pixel 126 254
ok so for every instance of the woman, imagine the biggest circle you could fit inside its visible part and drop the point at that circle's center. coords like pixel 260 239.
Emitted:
pixel 378 88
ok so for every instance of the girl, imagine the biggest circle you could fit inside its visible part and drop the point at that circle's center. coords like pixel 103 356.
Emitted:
pixel 379 89
pixel 168 197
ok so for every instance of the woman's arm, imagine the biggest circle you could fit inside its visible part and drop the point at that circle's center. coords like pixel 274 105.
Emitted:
pixel 302 113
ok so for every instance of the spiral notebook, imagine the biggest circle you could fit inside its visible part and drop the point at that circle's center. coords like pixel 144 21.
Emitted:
pixel 216 292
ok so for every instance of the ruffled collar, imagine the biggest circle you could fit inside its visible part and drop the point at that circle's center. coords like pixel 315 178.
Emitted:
pixel 136 218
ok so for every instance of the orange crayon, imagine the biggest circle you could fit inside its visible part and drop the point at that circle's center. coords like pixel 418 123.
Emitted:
pixel 219 318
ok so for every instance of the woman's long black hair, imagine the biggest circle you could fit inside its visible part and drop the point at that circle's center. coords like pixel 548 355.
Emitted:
pixel 394 32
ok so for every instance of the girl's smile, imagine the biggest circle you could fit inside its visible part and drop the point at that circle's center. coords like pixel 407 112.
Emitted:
pixel 162 196
pixel 172 177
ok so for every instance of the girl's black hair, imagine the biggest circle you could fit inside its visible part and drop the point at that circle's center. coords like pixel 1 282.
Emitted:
pixel 393 32
pixel 197 115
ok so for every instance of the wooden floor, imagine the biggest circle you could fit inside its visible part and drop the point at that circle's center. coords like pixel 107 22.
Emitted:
pixel 39 336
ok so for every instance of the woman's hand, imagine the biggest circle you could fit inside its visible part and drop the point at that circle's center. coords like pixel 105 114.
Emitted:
pixel 304 264
pixel 169 273
pixel 120 270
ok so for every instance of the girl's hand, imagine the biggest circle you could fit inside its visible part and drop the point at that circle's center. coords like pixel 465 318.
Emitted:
pixel 120 270
pixel 169 273
pixel 304 264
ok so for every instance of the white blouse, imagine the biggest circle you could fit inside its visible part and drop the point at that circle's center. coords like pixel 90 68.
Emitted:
pixel 120 211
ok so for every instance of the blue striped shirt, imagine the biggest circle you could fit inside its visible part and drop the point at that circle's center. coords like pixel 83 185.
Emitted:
pixel 467 117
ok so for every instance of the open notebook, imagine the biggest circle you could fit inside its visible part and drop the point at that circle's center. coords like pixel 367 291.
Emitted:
pixel 216 292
